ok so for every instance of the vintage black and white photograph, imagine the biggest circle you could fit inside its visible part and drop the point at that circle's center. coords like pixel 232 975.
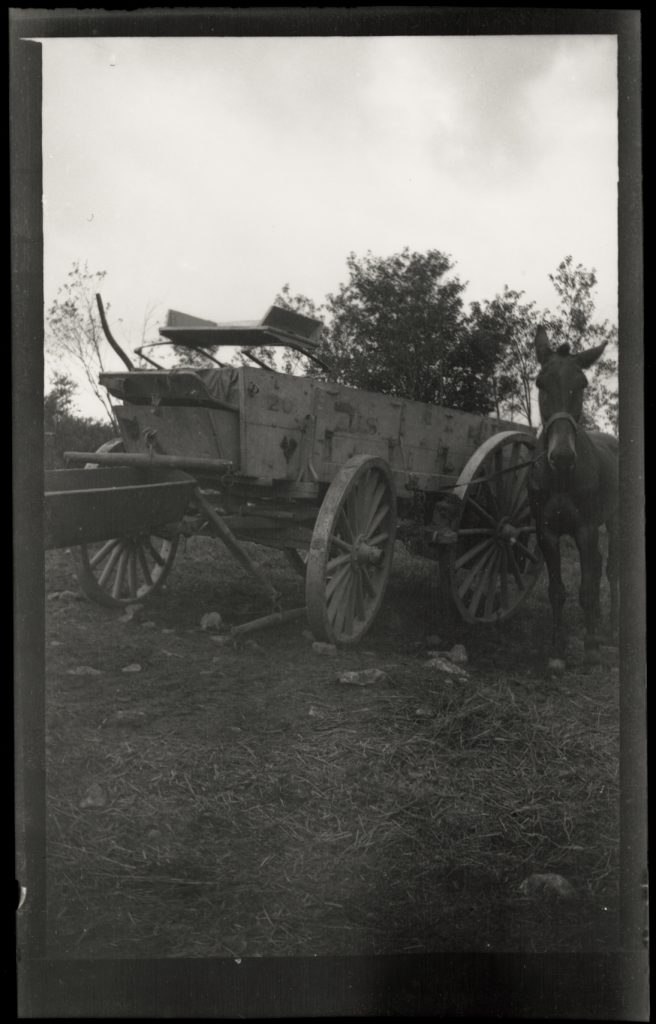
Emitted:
pixel 331 441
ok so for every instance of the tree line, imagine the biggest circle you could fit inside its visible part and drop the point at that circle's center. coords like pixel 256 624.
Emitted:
pixel 398 325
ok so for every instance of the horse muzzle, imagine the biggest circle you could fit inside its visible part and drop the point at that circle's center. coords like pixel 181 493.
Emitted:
pixel 560 433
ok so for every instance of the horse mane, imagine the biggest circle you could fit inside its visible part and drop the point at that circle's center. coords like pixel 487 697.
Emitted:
pixel 564 349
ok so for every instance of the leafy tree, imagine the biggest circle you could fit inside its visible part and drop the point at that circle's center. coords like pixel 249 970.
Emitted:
pixel 571 322
pixel 64 430
pixel 398 326
pixel 73 330
pixel 516 369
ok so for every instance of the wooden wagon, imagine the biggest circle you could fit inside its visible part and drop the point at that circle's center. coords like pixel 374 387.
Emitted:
pixel 331 475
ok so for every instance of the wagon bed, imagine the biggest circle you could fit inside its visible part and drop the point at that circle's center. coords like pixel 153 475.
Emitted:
pixel 315 468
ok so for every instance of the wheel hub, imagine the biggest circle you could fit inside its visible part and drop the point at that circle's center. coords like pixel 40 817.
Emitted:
pixel 365 554
pixel 507 532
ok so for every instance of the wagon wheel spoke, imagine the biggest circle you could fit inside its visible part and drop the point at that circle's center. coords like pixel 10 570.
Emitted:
pixel 526 551
pixel 111 572
pixel 103 552
pixel 485 570
pixel 367 583
pixel 473 552
pixel 481 511
pixel 110 565
pixel 120 572
pixel 514 568
pixel 499 481
pixel 333 563
pixel 496 561
pixel 351 551
pixel 376 520
pixel 518 496
pixel 473 573
pixel 143 562
pixel 153 551
pixel 338 580
pixel 503 579
pixel 376 498
pixel 132 571
pixel 491 589
pixel 359 597
pixel 345 526
pixel 379 539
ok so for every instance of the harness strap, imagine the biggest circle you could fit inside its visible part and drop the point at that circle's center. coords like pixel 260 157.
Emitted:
pixel 560 416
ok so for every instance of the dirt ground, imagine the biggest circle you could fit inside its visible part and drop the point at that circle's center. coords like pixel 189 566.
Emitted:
pixel 240 801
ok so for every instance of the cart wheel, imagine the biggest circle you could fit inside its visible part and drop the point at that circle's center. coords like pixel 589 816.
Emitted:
pixel 350 555
pixel 496 561
pixel 297 560
pixel 123 570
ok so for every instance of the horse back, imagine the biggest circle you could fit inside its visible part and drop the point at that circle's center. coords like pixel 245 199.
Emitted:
pixel 606 448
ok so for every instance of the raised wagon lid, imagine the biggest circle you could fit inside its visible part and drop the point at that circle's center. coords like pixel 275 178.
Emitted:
pixel 277 327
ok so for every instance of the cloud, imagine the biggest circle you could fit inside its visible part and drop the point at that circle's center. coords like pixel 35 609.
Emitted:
pixel 218 169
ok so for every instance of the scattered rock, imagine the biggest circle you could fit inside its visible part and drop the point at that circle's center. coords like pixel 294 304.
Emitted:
pixel 365 677
pixel 545 885
pixel 129 717
pixel 69 595
pixel 132 611
pixel 84 670
pixel 54 595
pixel 433 640
pixel 168 631
pixel 308 634
pixel 442 664
pixel 321 648
pixel 425 712
pixel 135 667
pixel 212 622
pixel 154 834
pixel 95 796
pixel 149 624
pixel 458 655
pixel 55 643
pixel 222 641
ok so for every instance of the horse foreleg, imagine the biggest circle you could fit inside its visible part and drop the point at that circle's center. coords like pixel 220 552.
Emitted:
pixel 587 541
pixel 550 545
pixel 612 574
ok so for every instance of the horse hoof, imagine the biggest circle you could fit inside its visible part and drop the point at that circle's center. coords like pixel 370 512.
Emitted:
pixel 556 666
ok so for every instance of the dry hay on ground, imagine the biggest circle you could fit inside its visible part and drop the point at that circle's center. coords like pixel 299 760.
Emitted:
pixel 254 806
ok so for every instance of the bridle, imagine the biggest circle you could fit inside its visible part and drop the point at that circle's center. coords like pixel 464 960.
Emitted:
pixel 560 416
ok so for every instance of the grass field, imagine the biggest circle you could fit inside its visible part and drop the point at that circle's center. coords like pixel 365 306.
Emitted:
pixel 240 801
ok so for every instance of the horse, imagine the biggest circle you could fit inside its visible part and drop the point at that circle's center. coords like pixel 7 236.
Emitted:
pixel 574 489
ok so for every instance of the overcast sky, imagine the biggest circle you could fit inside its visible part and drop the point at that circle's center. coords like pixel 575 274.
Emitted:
pixel 203 174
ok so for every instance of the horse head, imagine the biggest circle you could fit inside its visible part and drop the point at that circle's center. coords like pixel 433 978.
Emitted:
pixel 560 384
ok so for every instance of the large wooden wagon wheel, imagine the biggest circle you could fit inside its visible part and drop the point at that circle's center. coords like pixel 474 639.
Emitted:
pixel 124 570
pixel 350 555
pixel 496 561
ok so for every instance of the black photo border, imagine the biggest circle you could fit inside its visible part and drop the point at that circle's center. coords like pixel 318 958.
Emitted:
pixel 611 986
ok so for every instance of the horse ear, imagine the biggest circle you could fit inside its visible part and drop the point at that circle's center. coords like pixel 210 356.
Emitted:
pixel 543 349
pixel 590 355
